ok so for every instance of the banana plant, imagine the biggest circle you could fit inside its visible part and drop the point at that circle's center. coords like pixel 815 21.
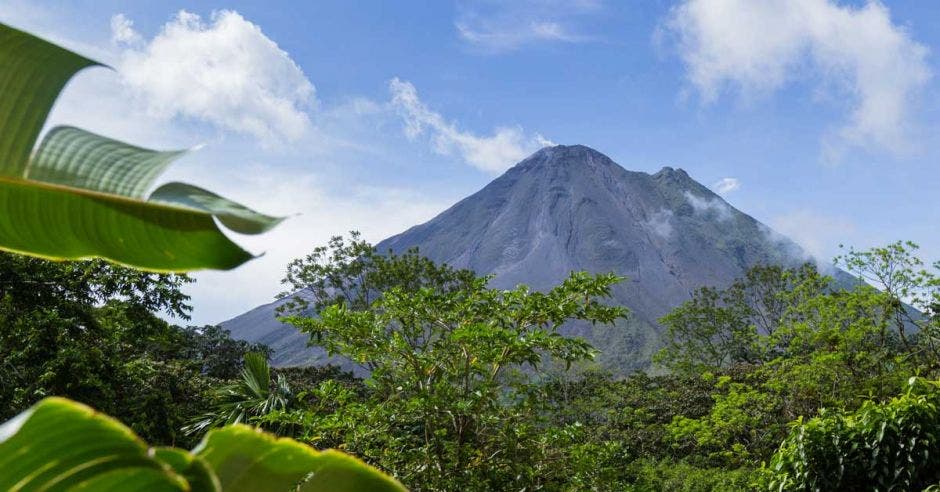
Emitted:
pixel 80 195
pixel 59 444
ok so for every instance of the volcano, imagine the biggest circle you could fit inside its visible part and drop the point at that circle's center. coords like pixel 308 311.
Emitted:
pixel 569 208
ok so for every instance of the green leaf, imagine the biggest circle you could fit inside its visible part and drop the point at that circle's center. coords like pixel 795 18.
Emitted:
pixel 194 469
pixel 59 444
pixel 235 216
pixel 246 459
pixel 73 157
pixel 81 194
pixel 339 472
pixel 32 73
pixel 57 223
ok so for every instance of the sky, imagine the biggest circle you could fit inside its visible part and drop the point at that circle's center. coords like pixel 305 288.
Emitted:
pixel 819 118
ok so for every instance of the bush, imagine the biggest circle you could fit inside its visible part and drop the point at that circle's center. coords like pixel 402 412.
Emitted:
pixel 880 446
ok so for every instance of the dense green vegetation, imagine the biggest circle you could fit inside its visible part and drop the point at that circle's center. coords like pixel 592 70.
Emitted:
pixel 61 445
pixel 90 331
pixel 470 387
pixel 783 380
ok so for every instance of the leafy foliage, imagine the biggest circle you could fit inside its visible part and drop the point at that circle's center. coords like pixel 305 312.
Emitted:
pixel 472 388
pixel 449 404
pixel 881 446
pixel 59 443
pixel 95 186
pixel 89 330
pixel 252 395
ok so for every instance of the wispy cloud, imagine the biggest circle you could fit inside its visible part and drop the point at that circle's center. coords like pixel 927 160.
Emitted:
pixel 761 46
pixel 660 223
pixel 706 206
pixel 224 71
pixel 817 233
pixel 726 185
pixel 498 27
pixel 494 153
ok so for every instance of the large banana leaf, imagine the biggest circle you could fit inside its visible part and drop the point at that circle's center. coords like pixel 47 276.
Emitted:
pixel 247 460
pixel 82 195
pixel 63 445
pixel 59 444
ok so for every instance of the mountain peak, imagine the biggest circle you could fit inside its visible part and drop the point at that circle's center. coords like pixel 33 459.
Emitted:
pixel 571 208
pixel 566 155
pixel 668 171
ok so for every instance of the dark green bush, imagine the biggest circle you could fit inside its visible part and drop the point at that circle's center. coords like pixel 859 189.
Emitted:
pixel 881 446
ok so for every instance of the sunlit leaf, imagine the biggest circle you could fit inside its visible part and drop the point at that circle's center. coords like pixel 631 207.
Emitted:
pixel 246 459
pixel 81 195
pixel 55 222
pixel 235 216
pixel 59 444
pixel 74 157
pixel 32 73
pixel 194 469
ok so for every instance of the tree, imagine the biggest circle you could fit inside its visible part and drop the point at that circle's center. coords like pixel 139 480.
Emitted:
pixel 910 294
pixel 719 328
pixel 89 330
pixel 446 355
pixel 354 273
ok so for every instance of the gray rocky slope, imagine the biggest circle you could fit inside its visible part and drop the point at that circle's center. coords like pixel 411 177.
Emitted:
pixel 572 208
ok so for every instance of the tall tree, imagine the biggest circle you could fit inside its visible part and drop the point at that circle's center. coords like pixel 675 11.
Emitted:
pixel 445 353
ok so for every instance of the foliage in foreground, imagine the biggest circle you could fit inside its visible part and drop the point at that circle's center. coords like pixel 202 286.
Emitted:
pixel 59 443
pixel 94 187
pixel 883 446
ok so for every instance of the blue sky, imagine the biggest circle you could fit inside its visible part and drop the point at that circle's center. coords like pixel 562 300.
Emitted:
pixel 819 117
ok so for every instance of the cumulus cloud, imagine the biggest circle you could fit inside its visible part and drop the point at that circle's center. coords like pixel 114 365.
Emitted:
pixel 705 205
pixel 726 185
pixel 508 26
pixel 760 46
pixel 494 154
pixel 122 30
pixel 224 71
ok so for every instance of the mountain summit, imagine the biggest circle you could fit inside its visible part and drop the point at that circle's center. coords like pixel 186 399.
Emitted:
pixel 570 208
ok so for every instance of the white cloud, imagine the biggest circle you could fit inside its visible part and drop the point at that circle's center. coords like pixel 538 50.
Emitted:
pixel 504 40
pixel 495 153
pixel 726 185
pixel 818 234
pixel 507 26
pixel 760 46
pixel 659 223
pixel 225 72
pixel 326 180
pixel 704 205
pixel 122 30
